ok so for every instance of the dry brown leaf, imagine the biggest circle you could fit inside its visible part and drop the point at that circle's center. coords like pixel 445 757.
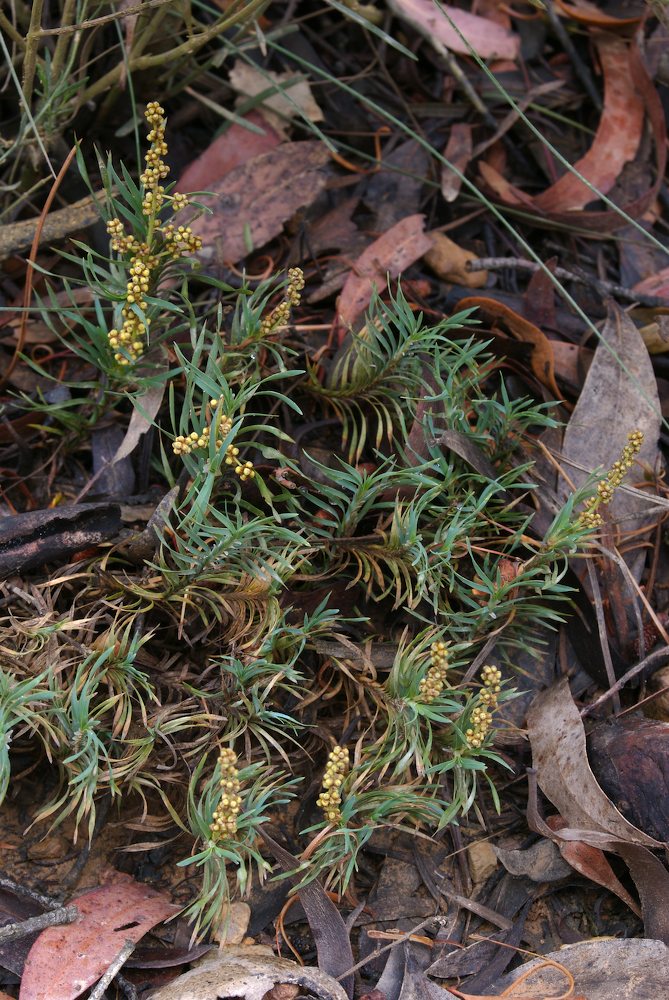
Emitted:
pixel 616 140
pixel 252 203
pixel 448 261
pixel 488 39
pixel 603 969
pixel 520 328
pixel 390 254
pixel 559 756
pixel 619 395
pixel 458 151
pixel 234 147
pixel 592 864
pixel 293 97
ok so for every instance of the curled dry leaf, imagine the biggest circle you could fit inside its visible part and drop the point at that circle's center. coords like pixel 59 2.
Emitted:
pixel 616 140
pixel 248 972
pixel 587 12
pixel 390 254
pixel 449 28
pixel 520 328
pixel 628 92
pixel 449 262
pixel 559 755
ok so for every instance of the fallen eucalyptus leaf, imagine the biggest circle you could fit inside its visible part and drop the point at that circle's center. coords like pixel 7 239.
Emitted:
pixel 249 972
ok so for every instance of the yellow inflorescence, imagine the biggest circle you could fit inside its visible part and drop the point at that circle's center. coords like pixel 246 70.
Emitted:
pixel 280 315
pixel 335 771
pixel 481 717
pixel 432 684
pixel 590 517
pixel 185 444
pixel 129 341
pixel 224 822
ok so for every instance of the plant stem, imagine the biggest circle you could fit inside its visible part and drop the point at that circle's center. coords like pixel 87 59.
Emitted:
pixel 187 48
pixel 32 43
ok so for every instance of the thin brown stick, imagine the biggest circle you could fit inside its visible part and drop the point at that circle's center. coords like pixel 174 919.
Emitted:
pixel 27 292
pixel 659 657
pixel 52 918
pixel 601 627
pixel 16 237
pixel 393 944
pixel 95 22
pixel 113 970
pixel 603 287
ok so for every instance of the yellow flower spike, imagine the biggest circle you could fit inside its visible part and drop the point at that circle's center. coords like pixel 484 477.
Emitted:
pixel 333 778
pixel 589 518
pixel 226 814
pixel 432 684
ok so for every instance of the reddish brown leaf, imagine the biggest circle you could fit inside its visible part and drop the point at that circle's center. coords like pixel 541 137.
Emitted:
pixel 251 203
pixel 64 961
pixel 617 138
pixel 390 254
pixel 592 864
pixel 231 149
pixel 488 39
pixel 589 13
pixel 521 329
pixel 627 87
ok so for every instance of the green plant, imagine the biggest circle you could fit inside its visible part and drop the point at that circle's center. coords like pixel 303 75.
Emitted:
pixel 426 550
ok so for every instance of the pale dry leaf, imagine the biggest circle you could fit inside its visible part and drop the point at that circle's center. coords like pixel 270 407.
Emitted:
pixel 247 972
pixel 542 862
pixel 144 412
pixel 619 395
pixel 458 152
pixel 449 262
pixel 602 969
pixel 559 755
pixel 293 98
